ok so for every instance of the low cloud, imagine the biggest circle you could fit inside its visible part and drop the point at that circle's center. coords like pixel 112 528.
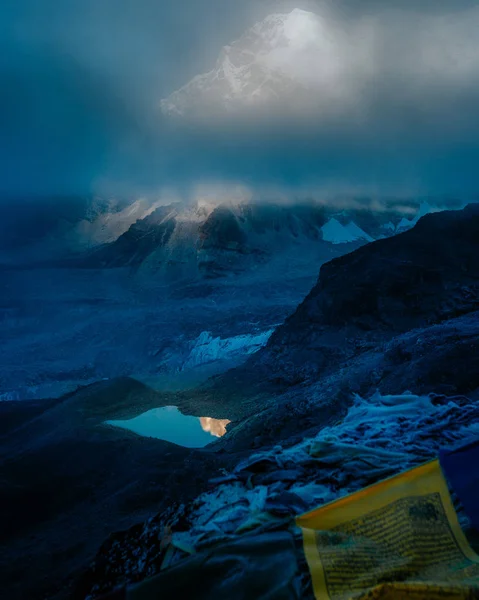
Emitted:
pixel 394 107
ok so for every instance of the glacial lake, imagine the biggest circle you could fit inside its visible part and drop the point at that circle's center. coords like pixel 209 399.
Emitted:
pixel 169 424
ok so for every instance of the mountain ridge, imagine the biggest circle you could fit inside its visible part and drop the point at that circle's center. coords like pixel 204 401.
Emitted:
pixel 229 237
pixel 422 277
pixel 284 56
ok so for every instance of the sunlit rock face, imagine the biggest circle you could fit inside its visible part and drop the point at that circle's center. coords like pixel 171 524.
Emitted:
pixel 216 427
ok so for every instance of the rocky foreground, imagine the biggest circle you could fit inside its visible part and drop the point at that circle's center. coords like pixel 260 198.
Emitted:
pixel 375 371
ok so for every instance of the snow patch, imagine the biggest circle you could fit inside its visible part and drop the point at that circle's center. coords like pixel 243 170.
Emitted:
pixel 396 428
pixel 207 348
pixel 336 233
pixel 424 209
pixel 379 436
pixel 109 226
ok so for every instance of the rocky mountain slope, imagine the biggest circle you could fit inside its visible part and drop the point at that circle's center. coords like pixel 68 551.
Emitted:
pixel 184 286
pixel 399 314
pixel 417 279
pixel 187 238
pixel 180 240
pixel 33 230
pixel 87 480
pixel 325 408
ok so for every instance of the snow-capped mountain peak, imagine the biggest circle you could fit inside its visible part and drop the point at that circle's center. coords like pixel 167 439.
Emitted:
pixel 283 56
pixel 404 224
pixel 298 28
pixel 336 233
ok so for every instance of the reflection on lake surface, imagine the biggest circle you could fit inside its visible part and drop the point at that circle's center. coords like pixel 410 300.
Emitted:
pixel 169 424
pixel 216 427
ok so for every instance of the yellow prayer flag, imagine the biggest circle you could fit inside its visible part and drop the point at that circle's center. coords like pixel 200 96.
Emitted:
pixel 399 538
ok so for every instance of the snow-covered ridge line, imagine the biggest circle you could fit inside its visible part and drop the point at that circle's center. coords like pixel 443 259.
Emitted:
pixel 336 233
pixel 207 348
pixel 262 65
